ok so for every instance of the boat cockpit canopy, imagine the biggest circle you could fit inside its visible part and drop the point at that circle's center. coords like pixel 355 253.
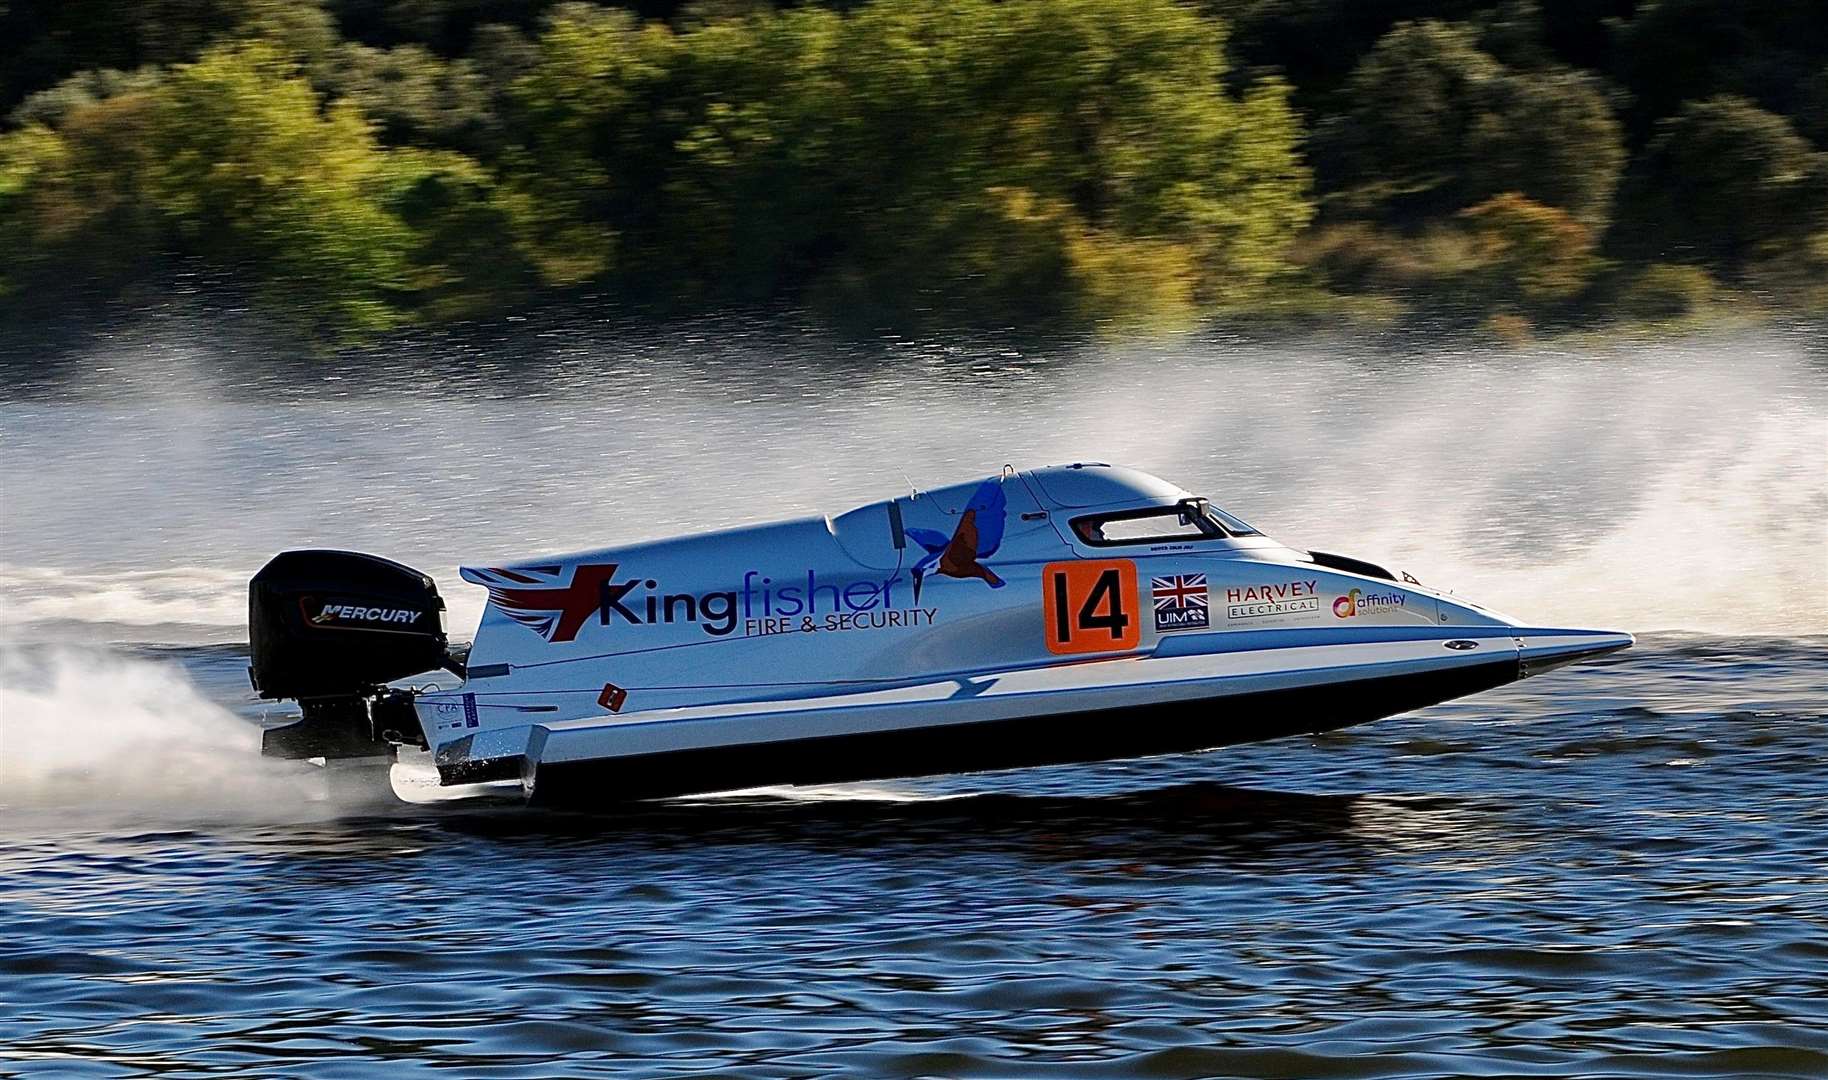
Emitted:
pixel 1188 519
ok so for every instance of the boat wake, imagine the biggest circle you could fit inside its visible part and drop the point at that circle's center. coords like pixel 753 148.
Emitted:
pixel 90 731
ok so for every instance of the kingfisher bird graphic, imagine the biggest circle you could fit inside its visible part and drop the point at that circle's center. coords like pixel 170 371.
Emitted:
pixel 978 535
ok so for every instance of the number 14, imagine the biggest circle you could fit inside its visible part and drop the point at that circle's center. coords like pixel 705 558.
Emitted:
pixel 1090 606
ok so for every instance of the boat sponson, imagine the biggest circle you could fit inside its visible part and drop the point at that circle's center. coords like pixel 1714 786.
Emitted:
pixel 1020 742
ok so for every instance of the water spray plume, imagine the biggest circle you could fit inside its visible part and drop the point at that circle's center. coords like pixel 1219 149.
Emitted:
pixel 87 731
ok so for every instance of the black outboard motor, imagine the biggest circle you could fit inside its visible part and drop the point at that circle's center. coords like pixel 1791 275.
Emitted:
pixel 332 629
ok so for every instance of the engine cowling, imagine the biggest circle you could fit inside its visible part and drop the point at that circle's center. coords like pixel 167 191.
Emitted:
pixel 333 624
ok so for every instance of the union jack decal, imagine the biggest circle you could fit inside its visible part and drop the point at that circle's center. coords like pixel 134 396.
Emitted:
pixel 1180 602
pixel 1179 591
pixel 542 600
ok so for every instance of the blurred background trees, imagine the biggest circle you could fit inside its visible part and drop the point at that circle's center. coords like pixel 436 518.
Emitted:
pixel 364 163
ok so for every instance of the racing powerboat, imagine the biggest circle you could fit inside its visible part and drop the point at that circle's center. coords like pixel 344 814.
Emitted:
pixel 1066 614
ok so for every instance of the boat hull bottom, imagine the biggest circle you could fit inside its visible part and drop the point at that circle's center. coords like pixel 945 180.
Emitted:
pixel 1021 742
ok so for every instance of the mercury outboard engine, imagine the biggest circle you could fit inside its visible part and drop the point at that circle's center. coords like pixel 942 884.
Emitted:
pixel 331 629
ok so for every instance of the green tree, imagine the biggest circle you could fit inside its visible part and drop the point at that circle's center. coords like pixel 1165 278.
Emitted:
pixel 73 201
pixel 1665 293
pixel 1724 182
pixel 1552 136
pixel 594 133
pixel 1530 254
pixel 971 160
pixel 1400 144
pixel 414 97
pixel 249 166
pixel 1032 152
pixel 1430 125
pixel 51 106
pixel 462 259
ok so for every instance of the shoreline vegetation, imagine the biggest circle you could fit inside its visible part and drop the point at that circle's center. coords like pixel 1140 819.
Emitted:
pixel 349 169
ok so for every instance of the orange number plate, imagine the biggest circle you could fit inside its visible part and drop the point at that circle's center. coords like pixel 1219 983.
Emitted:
pixel 1091 606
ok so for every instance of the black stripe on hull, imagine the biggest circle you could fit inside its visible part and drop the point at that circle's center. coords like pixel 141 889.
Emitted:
pixel 1047 739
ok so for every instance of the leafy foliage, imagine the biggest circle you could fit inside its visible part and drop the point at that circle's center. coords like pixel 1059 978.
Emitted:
pixel 1508 163
pixel 1530 254
pixel 1434 124
pixel 981 159
pixel 1662 292
pixel 1724 183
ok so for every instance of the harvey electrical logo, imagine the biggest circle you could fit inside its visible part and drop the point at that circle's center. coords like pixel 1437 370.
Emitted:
pixel 1280 598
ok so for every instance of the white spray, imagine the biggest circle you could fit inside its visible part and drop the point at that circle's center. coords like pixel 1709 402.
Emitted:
pixel 1677 485
pixel 90 732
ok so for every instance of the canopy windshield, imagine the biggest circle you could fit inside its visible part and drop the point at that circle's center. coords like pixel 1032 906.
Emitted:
pixel 1188 519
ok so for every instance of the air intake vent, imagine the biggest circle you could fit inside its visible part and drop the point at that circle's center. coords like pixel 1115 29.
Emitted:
pixel 1350 565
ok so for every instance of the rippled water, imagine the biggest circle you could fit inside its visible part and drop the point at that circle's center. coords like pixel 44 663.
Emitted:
pixel 1616 869
pixel 1619 868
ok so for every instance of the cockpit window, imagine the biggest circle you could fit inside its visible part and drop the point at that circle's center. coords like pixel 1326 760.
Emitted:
pixel 1153 525
pixel 1234 526
pixel 1189 519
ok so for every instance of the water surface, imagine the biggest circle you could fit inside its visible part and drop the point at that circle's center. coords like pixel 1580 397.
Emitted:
pixel 1616 869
